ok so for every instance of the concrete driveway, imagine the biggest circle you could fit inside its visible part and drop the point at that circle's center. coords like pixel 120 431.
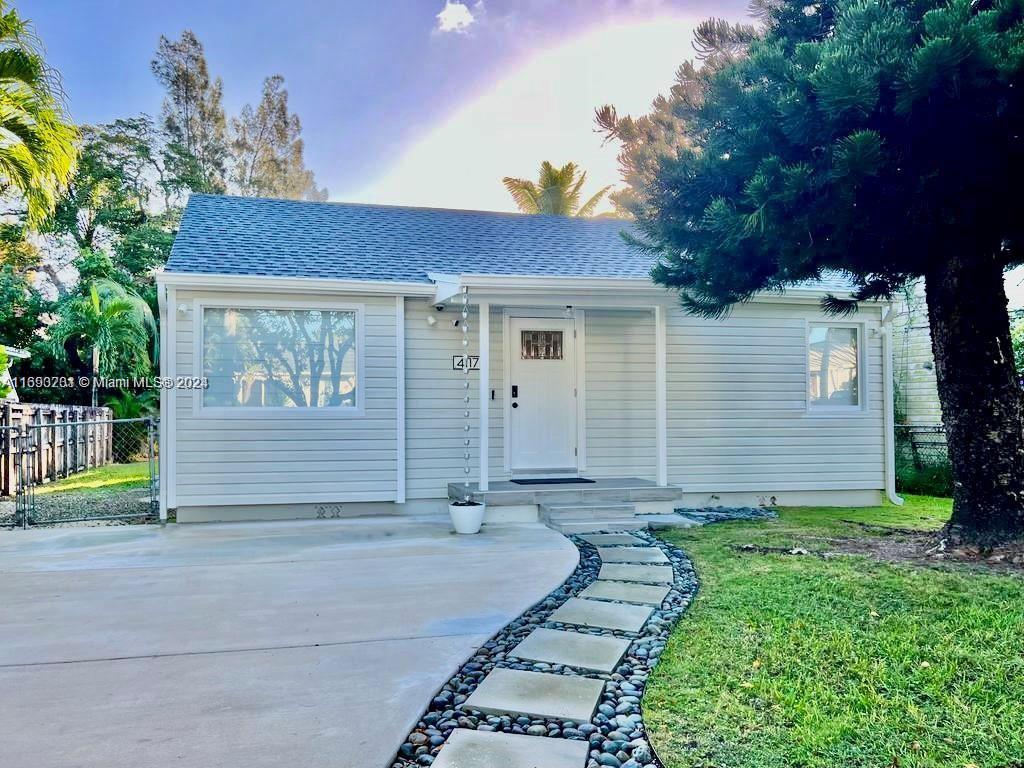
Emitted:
pixel 280 644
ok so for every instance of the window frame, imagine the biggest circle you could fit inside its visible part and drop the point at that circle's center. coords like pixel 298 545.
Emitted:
pixel 200 305
pixel 820 409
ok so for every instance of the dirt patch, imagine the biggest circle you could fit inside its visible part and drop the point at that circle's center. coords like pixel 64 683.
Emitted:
pixel 904 545
pixel 931 548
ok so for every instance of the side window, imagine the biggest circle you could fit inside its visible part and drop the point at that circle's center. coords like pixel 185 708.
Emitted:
pixel 834 363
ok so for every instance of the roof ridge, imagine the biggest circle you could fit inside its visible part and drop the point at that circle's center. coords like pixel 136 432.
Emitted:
pixel 397 207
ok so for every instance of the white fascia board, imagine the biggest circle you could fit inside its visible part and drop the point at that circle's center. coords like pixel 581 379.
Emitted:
pixel 550 285
pixel 556 283
pixel 275 284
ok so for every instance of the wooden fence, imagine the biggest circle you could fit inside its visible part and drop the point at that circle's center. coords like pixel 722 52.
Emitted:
pixel 66 439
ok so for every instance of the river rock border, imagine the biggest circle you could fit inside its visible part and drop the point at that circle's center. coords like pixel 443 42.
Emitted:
pixel 616 735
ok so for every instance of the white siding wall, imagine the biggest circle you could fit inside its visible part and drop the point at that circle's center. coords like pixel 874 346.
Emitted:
pixel 737 418
pixel 620 404
pixel 290 458
pixel 434 406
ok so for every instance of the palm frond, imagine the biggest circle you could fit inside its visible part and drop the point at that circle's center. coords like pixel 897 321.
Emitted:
pixel 524 193
pixel 587 209
pixel 37 139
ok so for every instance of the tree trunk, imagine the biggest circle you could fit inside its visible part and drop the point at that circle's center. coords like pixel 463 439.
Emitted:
pixel 982 402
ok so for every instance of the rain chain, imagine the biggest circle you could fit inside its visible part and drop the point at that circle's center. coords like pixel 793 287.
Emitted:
pixel 465 385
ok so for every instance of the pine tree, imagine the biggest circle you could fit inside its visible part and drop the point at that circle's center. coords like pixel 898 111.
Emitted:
pixel 879 138
pixel 192 113
pixel 268 151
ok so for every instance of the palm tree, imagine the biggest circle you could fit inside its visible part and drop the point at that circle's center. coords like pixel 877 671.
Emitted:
pixel 556 193
pixel 37 141
pixel 113 323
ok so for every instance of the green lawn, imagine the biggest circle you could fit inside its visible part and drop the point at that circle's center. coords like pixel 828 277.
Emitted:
pixel 787 661
pixel 112 477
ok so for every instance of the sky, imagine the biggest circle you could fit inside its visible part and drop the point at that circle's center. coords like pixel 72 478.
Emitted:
pixel 418 102
pixel 410 102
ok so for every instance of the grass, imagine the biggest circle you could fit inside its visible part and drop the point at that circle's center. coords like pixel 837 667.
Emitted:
pixel 789 661
pixel 107 478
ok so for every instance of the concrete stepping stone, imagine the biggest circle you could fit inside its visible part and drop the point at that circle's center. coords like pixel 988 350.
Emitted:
pixel 596 613
pixel 612 540
pixel 645 594
pixel 483 749
pixel 632 555
pixel 651 574
pixel 573 649
pixel 672 520
pixel 536 694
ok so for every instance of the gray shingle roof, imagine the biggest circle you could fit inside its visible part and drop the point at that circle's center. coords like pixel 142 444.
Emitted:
pixel 253 236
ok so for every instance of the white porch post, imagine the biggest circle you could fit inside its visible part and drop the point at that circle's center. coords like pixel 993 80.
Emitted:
pixel 484 331
pixel 661 391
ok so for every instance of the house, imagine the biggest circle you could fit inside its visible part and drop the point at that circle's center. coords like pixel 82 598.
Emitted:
pixel 319 368
pixel 13 354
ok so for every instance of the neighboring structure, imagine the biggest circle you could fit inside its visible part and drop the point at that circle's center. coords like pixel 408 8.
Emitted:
pixel 329 336
pixel 13 354
pixel 917 396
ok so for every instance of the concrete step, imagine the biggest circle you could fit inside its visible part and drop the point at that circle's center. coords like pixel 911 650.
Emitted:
pixel 645 574
pixel 627 592
pixel 646 554
pixel 614 540
pixel 573 649
pixel 674 520
pixel 483 749
pixel 536 694
pixel 586 511
pixel 597 526
pixel 603 615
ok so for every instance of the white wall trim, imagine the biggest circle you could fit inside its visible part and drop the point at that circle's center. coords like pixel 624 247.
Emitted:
pixel 306 285
pixel 169 417
pixel 661 392
pixel 581 389
pixel 484 350
pixel 400 399
pixel 506 395
pixel 247 412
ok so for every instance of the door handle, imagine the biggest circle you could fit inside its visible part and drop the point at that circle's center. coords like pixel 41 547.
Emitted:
pixel 515 405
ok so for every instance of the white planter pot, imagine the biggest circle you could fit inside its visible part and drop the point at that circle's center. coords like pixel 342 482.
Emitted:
pixel 467 519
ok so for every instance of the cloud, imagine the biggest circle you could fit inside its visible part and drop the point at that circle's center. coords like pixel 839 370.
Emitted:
pixel 456 17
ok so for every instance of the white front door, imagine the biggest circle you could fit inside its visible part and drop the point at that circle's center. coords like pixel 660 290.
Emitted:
pixel 542 378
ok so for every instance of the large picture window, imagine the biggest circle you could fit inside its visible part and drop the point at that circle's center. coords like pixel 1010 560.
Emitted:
pixel 834 366
pixel 280 358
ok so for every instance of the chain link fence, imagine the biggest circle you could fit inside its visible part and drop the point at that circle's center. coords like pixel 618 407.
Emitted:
pixel 81 472
pixel 922 460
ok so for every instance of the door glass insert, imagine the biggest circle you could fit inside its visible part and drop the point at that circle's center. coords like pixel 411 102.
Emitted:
pixel 541 345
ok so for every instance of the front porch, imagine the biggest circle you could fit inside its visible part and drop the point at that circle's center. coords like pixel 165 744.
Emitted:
pixel 569 384
pixel 605 504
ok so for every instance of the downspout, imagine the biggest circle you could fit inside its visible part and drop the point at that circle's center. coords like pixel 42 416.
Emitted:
pixel 889 406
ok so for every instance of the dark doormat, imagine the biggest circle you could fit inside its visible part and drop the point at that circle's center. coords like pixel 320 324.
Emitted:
pixel 553 481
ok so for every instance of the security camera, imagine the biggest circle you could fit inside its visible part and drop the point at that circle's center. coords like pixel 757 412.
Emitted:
pixel 439 307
